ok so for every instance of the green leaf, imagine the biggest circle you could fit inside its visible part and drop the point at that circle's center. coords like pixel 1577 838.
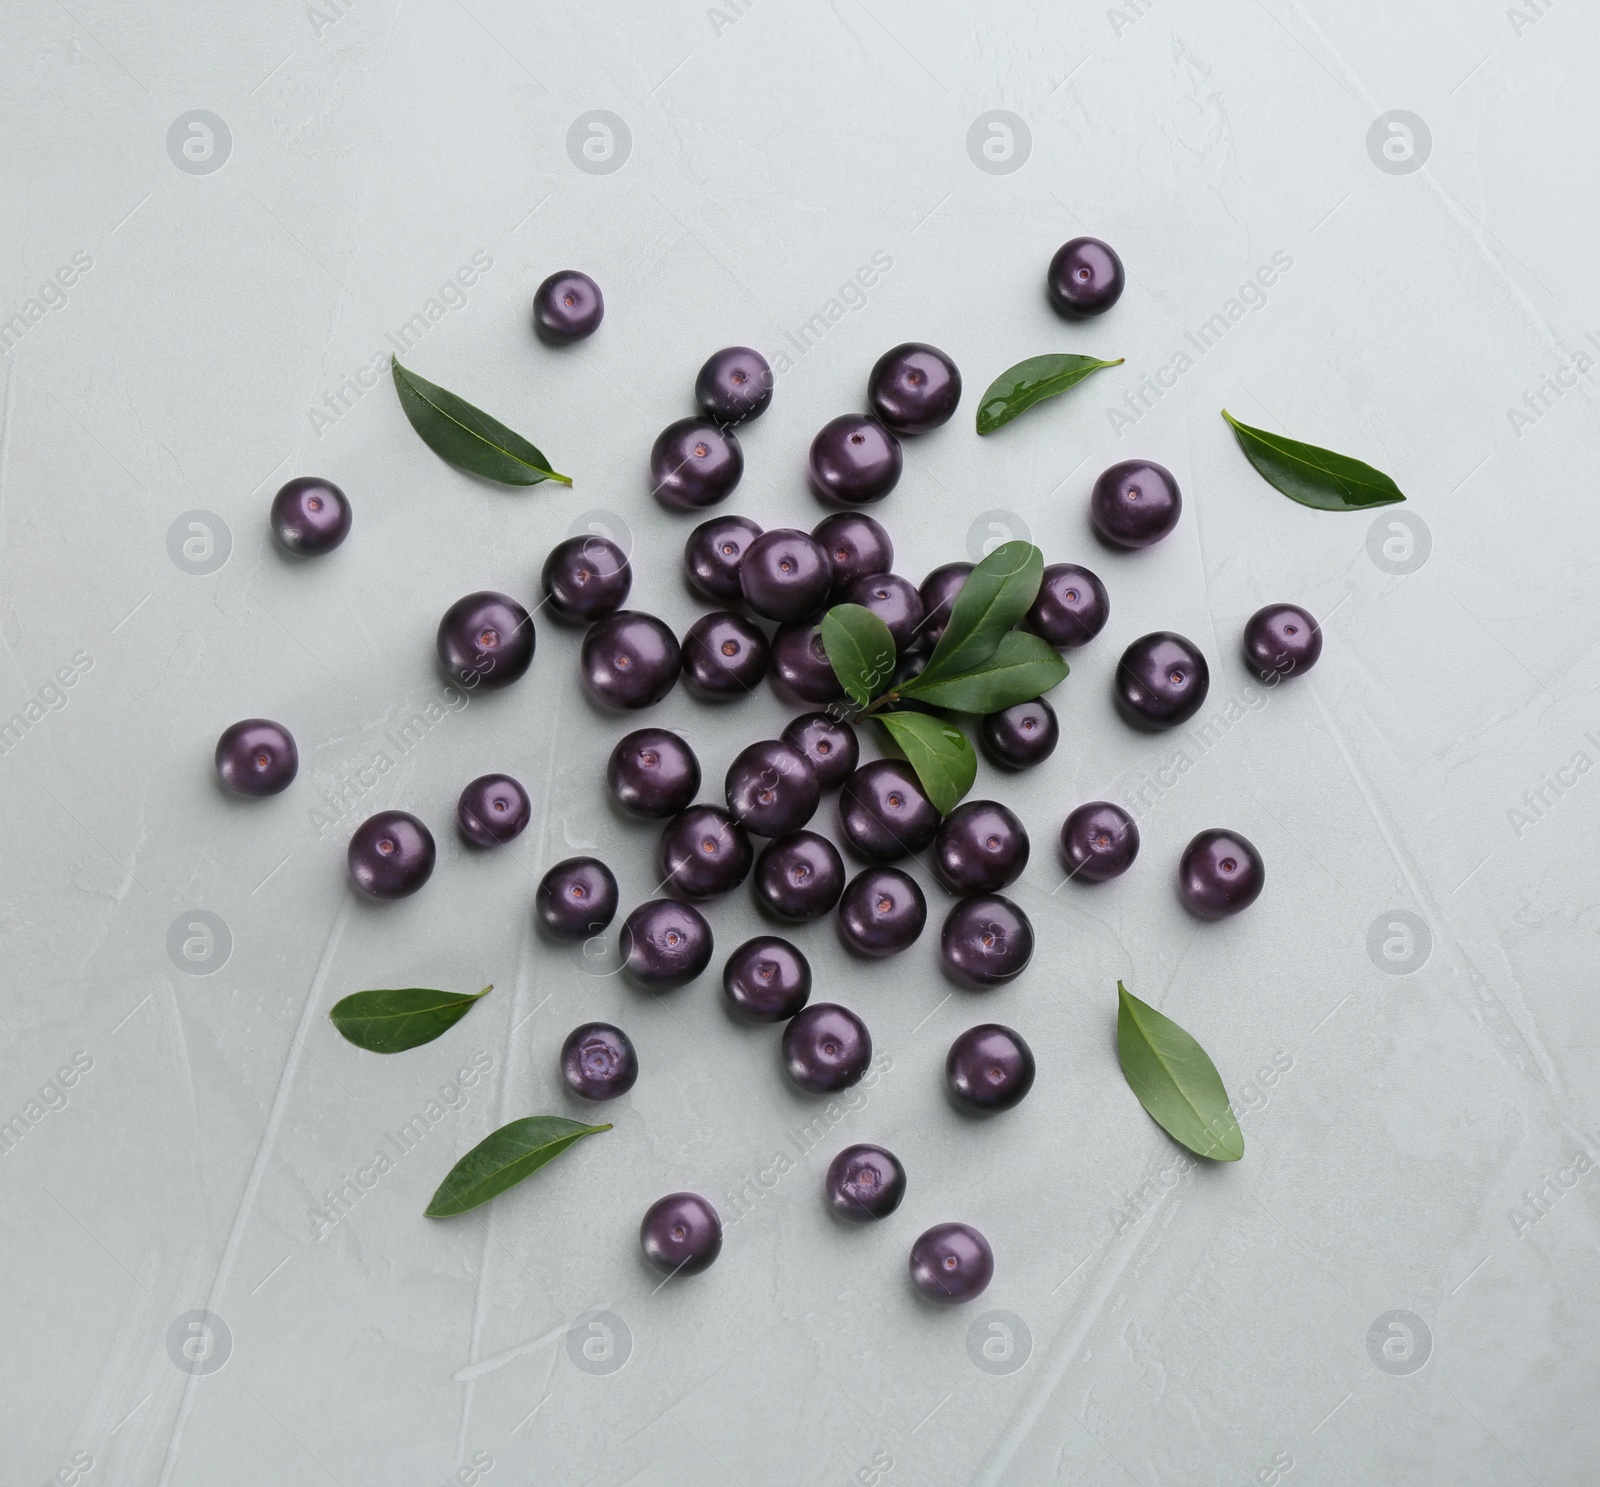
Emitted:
pixel 997 593
pixel 501 1160
pixel 860 650
pixel 1312 476
pixel 1030 382
pixel 1175 1081
pixel 467 437
pixel 393 1021
pixel 939 752
pixel 1022 667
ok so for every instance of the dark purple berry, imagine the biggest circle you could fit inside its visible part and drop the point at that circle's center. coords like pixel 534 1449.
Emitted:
pixel 724 657
pixel 713 553
pixel 785 575
pixel 1281 641
pixel 989 1067
pixel 665 943
pixel 630 660
pixel 733 385
pixel 598 1061
pixel 800 876
pixel 1219 874
pixel 855 460
pixel 914 388
pixel 1071 607
pixel 492 810
pixel 486 640
pixel 856 546
pixel 256 756
pixel 703 852
pixel 938 593
pixel 1085 278
pixel 567 307
pixel 653 773
pixel 885 812
pixel 980 848
pixel 1135 503
pixel 1098 842
pixel 391 855
pixel 1162 680
pixel 986 940
pixel 681 1234
pixel 693 463
pixel 951 1263
pixel 767 980
pixel 882 912
pixel 586 578
pixel 772 788
pixel 310 516
pixel 829 743
pixel 800 663
pixel 864 1183
pixel 1020 736
pixel 826 1047
pixel 895 601
pixel 577 899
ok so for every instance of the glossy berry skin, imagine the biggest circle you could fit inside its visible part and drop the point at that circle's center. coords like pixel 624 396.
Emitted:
pixel 665 943
pixel 567 307
pixel 767 980
pixel 1099 841
pixel 681 1234
pixel 694 464
pixel 703 852
pixel 493 809
pixel 800 876
pixel 895 601
pixel 1072 607
pixel 1021 736
pixel 785 575
pixel 310 516
pixel 1281 641
pixel 989 1068
pixel 986 940
pixel 1162 680
pixel 586 578
pixel 914 388
pixel 486 640
pixel 772 789
pixel 981 847
pixel 885 813
pixel 653 773
pixel 256 756
pixel 938 592
pixel 864 1183
pixel 883 912
pixel 630 660
pixel 951 1263
pixel 577 899
pixel 735 384
pixel 829 743
pixel 598 1061
pixel 1085 278
pixel 1135 503
pixel 1219 874
pixel 391 855
pixel 724 657
pixel 855 460
pixel 856 546
pixel 826 1047
pixel 713 553
pixel 800 663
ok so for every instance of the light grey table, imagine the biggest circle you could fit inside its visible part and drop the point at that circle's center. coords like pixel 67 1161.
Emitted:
pixel 216 230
